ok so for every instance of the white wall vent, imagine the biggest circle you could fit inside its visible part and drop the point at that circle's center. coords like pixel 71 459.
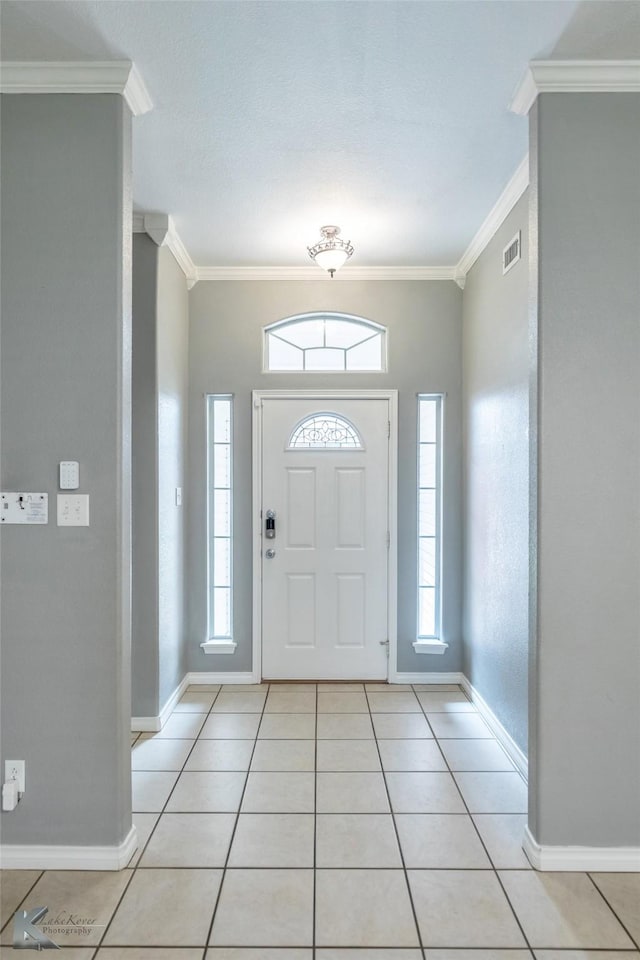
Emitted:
pixel 511 253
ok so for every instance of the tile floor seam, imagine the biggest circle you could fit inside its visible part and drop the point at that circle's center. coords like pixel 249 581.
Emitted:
pixel 180 772
pixel 22 900
pixel 635 942
pixel 495 871
pixel 397 835
pixel 235 827
pixel 155 826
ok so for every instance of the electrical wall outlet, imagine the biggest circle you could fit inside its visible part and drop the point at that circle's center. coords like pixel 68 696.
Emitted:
pixel 15 770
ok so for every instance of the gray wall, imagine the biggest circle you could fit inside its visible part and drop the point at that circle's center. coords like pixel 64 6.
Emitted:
pixel 424 321
pixel 144 482
pixel 66 274
pixel 585 723
pixel 173 374
pixel 496 477
pixel 160 374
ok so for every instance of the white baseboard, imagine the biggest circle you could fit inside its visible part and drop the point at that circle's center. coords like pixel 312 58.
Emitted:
pixel 582 859
pixel 153 724
pixel 145 724
pixel 505 739
pixel 34 857
pixel 167 710
pixel 222 677
pixel 426 678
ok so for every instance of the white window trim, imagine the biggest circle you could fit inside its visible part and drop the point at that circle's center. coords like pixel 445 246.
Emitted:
pixel 424 644
pixel 219 645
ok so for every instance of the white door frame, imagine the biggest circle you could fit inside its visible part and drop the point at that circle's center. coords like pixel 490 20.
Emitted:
pixel 392 519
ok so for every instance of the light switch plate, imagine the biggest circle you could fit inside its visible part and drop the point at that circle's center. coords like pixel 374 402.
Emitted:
pixel 73 509
pixel 69 474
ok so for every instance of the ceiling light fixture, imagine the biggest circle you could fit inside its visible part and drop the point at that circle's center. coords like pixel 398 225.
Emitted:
pixel 330 252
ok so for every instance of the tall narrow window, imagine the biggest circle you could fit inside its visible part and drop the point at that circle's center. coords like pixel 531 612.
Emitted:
pixel 429 484
pixel 220 504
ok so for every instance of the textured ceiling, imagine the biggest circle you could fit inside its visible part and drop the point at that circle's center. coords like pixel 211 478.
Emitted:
pixel 272 118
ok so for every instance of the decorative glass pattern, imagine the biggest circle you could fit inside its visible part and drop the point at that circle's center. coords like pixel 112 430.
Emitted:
pixel 326 431
pixel 220 492
pixel 429 471
pixel 325 342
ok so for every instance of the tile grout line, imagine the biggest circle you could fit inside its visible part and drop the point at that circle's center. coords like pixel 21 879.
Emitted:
pixel 635 942
pixel 395 829
pixel 135 868
pixel 41 874
pixel 484 847
pixel 235 827
pixel 180 772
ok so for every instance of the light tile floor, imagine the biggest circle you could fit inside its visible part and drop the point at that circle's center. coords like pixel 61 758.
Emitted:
pixel 330 822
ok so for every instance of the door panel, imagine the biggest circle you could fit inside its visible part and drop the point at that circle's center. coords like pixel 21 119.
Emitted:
pixel 325 589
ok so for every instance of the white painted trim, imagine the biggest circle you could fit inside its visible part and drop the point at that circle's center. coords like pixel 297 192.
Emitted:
pixel 219 646
pixel 504 738
pixel 430 646
pixel 451 677
pixel 84 76
pixel 222 677
pixel 574 76
pixel 153 724
pixel 34 857
pixel 581 859
pixel 496 216
pixel 162 230
pixel 145 724
pixel 315 273
pixel 167 710
pixel 392 397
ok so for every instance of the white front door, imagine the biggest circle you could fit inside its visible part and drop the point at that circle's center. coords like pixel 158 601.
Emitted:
pixel 325 475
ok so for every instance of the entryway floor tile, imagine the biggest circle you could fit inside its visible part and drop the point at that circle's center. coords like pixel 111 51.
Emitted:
pixel 431 841
pixel 190 840
pixel 563 910
pixel 167 908
pixel 273 840
pixel 279 793
pixel 273 907
pixel 364 908
pixel 356 840
pixel 463 908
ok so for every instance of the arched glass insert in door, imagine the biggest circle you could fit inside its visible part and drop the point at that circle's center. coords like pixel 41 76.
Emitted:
pixel 325 342
pixel 325 431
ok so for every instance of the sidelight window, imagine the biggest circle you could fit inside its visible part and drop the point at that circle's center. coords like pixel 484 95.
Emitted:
pixel 429 516
pixel 220 516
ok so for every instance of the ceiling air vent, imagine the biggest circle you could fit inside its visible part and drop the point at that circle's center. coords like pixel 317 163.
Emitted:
pixel 511 253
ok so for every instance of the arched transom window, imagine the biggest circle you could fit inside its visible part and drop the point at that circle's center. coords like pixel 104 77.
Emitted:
pixel 331 342
pixel 327 431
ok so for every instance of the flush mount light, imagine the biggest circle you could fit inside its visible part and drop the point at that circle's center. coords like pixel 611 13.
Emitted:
pixel 330 252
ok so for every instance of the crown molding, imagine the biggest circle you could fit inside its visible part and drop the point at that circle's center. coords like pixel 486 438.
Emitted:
pixel 161 228
pixel 496 216
pixel 83 76
pixel 315 273
pixel 574 76
pixel 180 252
